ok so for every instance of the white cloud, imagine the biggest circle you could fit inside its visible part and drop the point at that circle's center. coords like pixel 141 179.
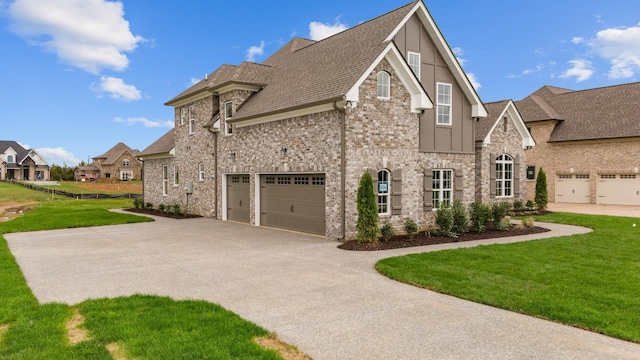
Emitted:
pixel 577 40
pixel 58 156
pixel 458 53
pixel 131 121
pixel 580 69
pixel 195 81
pixel 88 34
pixel 319 31
pixel 117 89
pixel 474 81
pixel 531 71
pixel 621 47
pixel 254 51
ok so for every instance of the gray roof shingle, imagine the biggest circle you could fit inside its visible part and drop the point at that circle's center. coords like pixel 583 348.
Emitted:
pixel 161 146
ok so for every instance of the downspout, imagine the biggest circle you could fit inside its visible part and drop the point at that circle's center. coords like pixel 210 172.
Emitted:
pixel 343 166
pixel 215 159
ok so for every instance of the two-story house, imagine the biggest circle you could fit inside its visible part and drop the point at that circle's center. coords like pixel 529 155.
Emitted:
pixel 118 163
pixel 18 163
pixel 285 142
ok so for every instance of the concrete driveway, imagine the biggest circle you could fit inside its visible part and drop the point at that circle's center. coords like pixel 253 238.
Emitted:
pixel 330 303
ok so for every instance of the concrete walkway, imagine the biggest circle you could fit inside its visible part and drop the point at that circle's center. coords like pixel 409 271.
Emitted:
pixel 597 209
pixel 330 303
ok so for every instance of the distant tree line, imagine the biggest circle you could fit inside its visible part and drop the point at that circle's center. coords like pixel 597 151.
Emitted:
pixel 64 172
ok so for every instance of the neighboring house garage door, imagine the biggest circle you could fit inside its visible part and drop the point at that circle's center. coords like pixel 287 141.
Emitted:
pixel 294 202
pixel 619 189
pixel 238 197
pixel 572 188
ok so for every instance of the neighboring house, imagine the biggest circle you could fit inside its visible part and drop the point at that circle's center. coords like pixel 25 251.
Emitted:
pixel 18 163
pixel 120 162
pixel 588 143
pixel 501 141
pixel 284 143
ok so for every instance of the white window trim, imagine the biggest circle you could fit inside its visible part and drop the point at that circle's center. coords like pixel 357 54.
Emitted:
pixel 387 86
pixel 183 115
pixel 228 128
pixel 126 162
pixel 192 118
pixel 502 161
pixel 123 173
pixel 384 195
pixel 165 180
pixel 201 171
pixel 439 104
pixel 441 190
pixel 414 67
pixel 176 175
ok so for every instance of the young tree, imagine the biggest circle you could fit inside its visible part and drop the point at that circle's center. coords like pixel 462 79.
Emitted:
pixel 367 225
pixel 541 199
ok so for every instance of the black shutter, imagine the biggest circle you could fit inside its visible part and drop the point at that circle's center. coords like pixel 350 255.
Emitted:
pixel 396 192
pixel 427 190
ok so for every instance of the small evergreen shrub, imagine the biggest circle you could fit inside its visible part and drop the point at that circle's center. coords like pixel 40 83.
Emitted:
pixel 387 231
pixel 148 205
pixel 529 205
pixel 478 216
pixel 541 199
pixel 410 227
pixel 161 207
pixel 367 224
pixel 138 203
pixel 460 220
pixel 517 204
pixel 498 214
pixel 176 209
pixel 444 220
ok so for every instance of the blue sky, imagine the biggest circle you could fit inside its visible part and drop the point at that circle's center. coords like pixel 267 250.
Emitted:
pixel 79 76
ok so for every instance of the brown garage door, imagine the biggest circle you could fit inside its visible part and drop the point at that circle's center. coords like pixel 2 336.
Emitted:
pixel 294 202
pixel 238 197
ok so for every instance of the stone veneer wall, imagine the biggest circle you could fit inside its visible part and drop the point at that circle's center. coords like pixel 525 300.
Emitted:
pixel 618 156
pixel 509 142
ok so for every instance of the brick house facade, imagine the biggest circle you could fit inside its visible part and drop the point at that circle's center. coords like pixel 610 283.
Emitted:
pixel 118 163
pixel 18 163
pixel 253 143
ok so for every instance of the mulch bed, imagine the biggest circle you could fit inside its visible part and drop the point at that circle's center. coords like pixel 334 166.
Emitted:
pixel 402 241
pixel 157 212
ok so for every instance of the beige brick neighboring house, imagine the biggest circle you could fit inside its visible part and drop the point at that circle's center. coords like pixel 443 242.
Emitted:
pixel 118 163
pixel 18 163
pixel 502 144
pixel 588 143
pixel 284 143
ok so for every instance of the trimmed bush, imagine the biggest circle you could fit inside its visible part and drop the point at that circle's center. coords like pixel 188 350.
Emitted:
pixel 161 207
pixel 478 216
pixel 387 231
pixel 410 227
pixel 517 204
pixel 367 225
pixel 460 220
pixel 498 214
pixel 444 220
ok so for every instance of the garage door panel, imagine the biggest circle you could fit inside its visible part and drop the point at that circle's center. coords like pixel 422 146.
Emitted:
pixel 294 202
pixel 619 189
pixel 573 189
pixel 238 198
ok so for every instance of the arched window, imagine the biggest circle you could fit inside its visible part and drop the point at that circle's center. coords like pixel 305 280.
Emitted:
pixel 384 81
pixel 383 191
pixel 504 176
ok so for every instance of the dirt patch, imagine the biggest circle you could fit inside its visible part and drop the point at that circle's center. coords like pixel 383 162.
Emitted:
pixel 105 187
pixel 12 210
pixel 117 353
pixel 75 333
pixel 422 239
pixel 286 351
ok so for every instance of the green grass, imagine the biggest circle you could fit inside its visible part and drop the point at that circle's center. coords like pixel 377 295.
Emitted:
pixel 145 327
pixel 591 281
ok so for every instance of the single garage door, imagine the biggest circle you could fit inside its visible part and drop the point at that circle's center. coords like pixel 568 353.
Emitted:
pixel 572 188
pixel 619 189
pixel 238 197
pixel 294 202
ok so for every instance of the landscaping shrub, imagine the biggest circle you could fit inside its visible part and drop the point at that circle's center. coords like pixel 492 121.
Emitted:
pixel 460 220
pixel 444 220
pixel 478 216
pixel 529 205
pixel 410 227
pixel 367 225
pixel 148 205
pixel 498 214
pixel 138 203
pixel 529 222
pixel 176 209
pixel 517 204
pixel 387 231
pixel 541 199
pixel 161 207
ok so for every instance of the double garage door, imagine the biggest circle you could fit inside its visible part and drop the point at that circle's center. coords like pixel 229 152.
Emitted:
pixel 613 189
pixel 294 202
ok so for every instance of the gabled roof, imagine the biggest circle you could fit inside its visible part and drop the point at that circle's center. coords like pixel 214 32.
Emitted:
pixel 21 153
pixel 164 146
pixel 306 73
pixel 496 111
pixel 601 113
pixel 114 153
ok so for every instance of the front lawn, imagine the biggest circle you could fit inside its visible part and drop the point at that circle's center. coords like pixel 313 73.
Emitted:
pixel 135 327
pixel 591 281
